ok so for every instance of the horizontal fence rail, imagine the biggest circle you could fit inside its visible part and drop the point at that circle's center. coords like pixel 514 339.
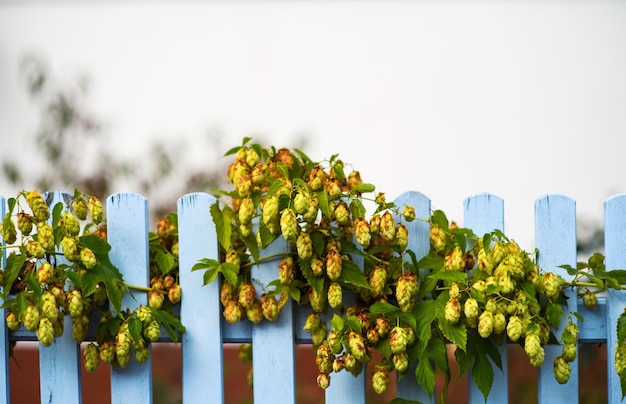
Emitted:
pixel 274 361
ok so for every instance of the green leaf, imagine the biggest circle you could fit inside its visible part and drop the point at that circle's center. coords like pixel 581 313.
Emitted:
pixel 134 327
pixel 621 328
pixel 622 382
pixel 12 270
pixel 482 374
pixel 317 239
pixel 570 270
pixel 357 209
pixel 438 217
pixel 351 273
pixel 455 333
pixel 437 351
pixel 450 276
pixel 383 308
pixel 425 376
pixel 337 323
pixel 210 275
pixel 56 214
pixel 165 261
pixel 363 188
pixel 554 314
pixel 317 283
pixel 11 205
pixel 618 274
pixel 99 247
pixel 230 272
pixel 425 315
pixel 222 226
pixel 353 323
pixel 205 263
pixel 172 325
pixel 322 197
pixel 253 247
pixel 431 261
pixel 398 400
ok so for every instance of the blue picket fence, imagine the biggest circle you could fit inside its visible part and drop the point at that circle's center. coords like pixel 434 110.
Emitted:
pixel 274 382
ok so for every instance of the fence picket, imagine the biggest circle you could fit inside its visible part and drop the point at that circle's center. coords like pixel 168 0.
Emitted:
pixel 200 309
pixel 5 393
pixel 419 243
pixel 60 363
pixel 273 343
pixel 127 228
pixel 615 249
pixel 485 213
pixel 555 235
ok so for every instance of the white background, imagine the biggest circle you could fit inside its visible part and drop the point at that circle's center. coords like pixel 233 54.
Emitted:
pixel 449 98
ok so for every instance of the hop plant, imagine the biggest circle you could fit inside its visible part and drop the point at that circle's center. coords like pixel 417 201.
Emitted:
pixel 335 295
pixel 387 226
pixel 79 206
pixel 91 356
pixel 38 206
pixel 406 289
pixel 75 303
pixel 107 351
pixel 286 271
pixel 9 233
pixel 398 340
pixel 152 330
pixel 13 323
pixel 289 225
pixel 96 211
pixel 270 214
pixel 269 307
pixel 514 328
pixel 562 369
pixel 454 260
pixel 378 280
pixel 304 246
pixel 438 238
pixel 31 318
pixel 470 308
pixel 24 223
pixel 362 230
pixel 69 246
pixel 380 379
pixel 333 265
pixel 69 224
pixel 45 332
pixel 34 249
pixel 44 273
pixel 45 236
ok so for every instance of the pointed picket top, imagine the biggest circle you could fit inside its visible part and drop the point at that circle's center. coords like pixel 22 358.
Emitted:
pixel 200 309
pixel 127 233
pixel 615 258
pixel 5 394
pixel 419 243
pixel 484 213
pixel 555 235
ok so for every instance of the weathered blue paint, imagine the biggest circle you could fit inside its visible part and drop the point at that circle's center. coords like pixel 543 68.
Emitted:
pixel 615 258
pixel 419 243
pixel 200 309
pixel 485 213
pixel 60 363
pixel 555 237
pixel 127 232
pixel 273 342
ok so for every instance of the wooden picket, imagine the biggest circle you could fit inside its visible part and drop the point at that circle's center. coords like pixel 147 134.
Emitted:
pixel 274 358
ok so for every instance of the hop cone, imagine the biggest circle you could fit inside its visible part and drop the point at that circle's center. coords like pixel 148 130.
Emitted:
pixel 91 355
pixel 270 214
pixel 69 224
pixel 24 223
pixel 38 205
pixel 304 246
pixel 380 379
pixel 333 265
pixel 387 227
pixel 335 295
pixel 406 288
pixel 398 339
pixel 377 280
pixel 45 332
pixel 95 209
pixel 79 206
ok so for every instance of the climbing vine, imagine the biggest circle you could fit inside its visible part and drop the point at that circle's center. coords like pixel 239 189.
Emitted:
pixel 365 289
